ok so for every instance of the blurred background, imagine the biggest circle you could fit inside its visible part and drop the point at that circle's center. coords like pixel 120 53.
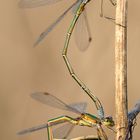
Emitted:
pixel 24 69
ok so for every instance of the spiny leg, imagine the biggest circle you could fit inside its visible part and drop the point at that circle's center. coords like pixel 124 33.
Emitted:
pixel 56 121
pixel 113 2
pixel 71 71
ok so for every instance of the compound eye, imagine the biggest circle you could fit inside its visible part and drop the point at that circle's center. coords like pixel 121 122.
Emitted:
pixel 106 120
pixel 109 118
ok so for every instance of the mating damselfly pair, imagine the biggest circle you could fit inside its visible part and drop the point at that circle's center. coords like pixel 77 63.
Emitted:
pixel 85 119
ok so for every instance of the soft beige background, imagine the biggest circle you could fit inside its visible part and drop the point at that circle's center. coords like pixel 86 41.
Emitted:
pixel 24 69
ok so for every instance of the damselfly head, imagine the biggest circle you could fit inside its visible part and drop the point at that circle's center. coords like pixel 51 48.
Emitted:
pixel 108 121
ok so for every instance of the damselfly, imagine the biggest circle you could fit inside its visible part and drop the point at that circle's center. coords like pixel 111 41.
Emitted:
pixel 80 12
pixel 84 119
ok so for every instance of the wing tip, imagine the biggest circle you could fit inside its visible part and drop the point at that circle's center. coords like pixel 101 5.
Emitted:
pixel 33 95
pixel 45 93
pixel 90 39
pixel 21 132
pixel 35 44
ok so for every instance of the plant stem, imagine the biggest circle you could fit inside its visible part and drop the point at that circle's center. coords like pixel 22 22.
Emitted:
pixel 121 69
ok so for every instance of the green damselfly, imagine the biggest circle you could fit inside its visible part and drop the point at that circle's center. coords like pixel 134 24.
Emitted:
pixel 84 119
pixel 80 12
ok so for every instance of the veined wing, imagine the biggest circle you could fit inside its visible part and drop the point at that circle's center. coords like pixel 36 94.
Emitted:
pixel 64 131
pixel 39 127
pixel 35 3
pixel 53 101
pixel 67 127
pixel 82 32
pixel 51 27
pixel 32 129
pixel 80 106
pixel 74 9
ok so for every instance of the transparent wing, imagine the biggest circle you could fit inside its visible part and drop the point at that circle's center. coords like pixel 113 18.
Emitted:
pixel 32 129
pixel 51 27
pixel 39 127
pixel 82 32
pixel 63 131
pixel 74 9
pixel 81 107
pixel 53 101
pixel 35 3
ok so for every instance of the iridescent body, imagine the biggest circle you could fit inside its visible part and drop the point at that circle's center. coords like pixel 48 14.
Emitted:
pixel 98 105
pixel 84 119
pixel 79 7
